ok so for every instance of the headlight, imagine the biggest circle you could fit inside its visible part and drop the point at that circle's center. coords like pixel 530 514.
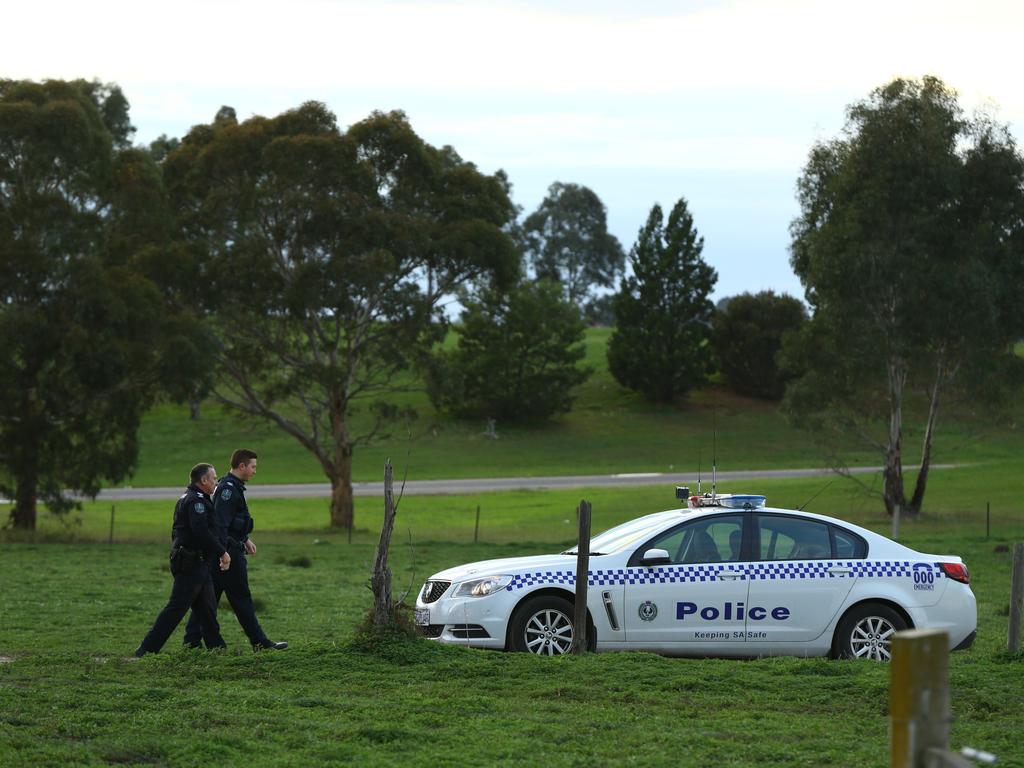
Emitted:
pixel 482 587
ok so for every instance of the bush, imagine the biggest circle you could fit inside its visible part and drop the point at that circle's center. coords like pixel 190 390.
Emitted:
pixel 747 333
pixel 517 356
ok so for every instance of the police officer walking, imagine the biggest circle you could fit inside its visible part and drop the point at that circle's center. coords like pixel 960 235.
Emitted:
pixel 235 524
pixel 196 545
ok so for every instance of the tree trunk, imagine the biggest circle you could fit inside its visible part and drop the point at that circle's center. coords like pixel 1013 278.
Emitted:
pixel 917 500
pixel 193 409
pixel 23 516
pixel 342 502
pixel 380 576
pixel 892 471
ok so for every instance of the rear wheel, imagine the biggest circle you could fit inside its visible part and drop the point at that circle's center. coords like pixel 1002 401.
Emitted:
pixel 866 632
pixel 543 625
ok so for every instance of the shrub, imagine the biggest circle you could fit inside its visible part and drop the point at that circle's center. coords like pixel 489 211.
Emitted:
pixel 517 356
pixel 747 333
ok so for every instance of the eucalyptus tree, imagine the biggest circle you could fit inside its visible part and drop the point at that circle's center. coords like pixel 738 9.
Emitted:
pixel 567 240
pixel 910 246
pixel 329 254
pixel 88 332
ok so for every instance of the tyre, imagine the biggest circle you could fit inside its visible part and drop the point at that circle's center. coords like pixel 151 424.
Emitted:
pixel 543 625
pixel 866 632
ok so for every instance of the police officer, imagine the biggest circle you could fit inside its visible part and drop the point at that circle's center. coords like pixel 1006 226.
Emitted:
pixel 235 524
pixel 196 545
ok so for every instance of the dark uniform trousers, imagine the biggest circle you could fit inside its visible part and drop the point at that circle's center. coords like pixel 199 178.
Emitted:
pixel 233 582
pixel 193 589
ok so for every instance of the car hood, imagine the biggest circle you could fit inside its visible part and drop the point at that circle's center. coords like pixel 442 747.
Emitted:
pixel 509 565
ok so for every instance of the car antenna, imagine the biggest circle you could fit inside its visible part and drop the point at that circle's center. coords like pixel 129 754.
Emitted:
pixel 714 452
pixel 803 506
pixel 698 470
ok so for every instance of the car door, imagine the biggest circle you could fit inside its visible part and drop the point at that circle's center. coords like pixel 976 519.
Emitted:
pixel 797 585
pixel 693 597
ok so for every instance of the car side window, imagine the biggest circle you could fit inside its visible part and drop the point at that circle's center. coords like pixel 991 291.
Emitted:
pixel 848 545
pixel 709 540
pixel 790 538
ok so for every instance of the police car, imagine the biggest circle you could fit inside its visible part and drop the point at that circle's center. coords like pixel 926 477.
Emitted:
pixel 725 576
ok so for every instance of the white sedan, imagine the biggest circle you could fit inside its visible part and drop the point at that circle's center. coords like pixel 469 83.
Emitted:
pixel 725 576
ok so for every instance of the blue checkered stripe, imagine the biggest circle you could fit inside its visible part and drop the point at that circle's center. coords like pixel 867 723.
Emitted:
pixel 767 571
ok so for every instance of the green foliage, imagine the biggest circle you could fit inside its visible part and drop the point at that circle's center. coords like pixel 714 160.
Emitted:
pixel 909 244
pixel 517 355
pixel 660 346
pixel 86 337
pixel 566 239
pixel 329 253
pixel 747 333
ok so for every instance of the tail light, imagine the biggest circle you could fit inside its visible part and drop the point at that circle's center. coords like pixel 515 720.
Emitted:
pixel 956 571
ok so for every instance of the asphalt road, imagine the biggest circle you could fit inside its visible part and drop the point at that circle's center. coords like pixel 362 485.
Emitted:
pixel 484 485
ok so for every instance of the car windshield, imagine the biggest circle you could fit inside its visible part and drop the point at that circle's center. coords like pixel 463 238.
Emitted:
pixel 621 536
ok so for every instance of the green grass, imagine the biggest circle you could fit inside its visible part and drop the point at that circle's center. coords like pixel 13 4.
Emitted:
pixel 610 430
pixel 955 496
pixel 70 613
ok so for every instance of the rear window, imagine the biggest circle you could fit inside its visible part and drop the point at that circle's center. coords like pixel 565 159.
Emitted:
pixel 848 545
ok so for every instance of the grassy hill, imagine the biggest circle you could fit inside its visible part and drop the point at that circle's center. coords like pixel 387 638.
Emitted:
pixel 609 430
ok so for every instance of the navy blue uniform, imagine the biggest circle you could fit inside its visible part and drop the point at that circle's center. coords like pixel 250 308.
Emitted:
pixel 235 524
pixel 197 545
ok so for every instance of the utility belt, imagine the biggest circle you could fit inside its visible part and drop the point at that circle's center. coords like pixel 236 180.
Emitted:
pixel 184 559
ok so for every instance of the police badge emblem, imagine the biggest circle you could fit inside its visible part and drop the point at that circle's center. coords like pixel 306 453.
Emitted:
pixel 648 611
pixel 199 508
pixel 225 494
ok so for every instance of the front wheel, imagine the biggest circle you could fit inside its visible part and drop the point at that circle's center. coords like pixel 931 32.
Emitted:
pixel 866 632
pixel 543 625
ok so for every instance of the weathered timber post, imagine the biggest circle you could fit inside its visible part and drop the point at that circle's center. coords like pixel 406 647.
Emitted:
pixel 476 528
pixel 110 538
pixel 896 522
pixel 380 576
pixel 579 635
pixel 1016 597
pixel 918 697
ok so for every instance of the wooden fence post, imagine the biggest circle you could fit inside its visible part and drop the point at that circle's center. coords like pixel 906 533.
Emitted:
pixel 579 635
pixel 380 576
pixel 918 696
pixel 1016 597
pixel 476 528
pixel 110 538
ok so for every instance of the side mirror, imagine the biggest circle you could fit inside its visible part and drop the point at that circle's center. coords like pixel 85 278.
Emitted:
pixel 656 557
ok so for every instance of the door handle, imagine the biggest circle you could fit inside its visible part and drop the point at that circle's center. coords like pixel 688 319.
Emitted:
pixel 731 575
pixel 840 571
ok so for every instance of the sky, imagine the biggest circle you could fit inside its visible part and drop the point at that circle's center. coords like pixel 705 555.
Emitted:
pixel 648 101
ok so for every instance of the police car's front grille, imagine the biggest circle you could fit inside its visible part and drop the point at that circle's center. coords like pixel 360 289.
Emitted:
pixel 431 630
pixel 433 590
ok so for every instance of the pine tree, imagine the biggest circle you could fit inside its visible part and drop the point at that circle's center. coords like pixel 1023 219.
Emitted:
pixel 660 346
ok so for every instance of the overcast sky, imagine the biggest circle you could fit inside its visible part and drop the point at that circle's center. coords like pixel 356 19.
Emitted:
pixel 644 101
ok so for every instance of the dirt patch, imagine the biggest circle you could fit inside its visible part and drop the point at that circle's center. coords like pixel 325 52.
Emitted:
pixel 6 659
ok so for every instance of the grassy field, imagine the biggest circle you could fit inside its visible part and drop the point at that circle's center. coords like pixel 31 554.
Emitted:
pixel 72 611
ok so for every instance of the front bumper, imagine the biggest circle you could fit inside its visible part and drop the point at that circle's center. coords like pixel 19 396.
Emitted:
pixel 479 622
